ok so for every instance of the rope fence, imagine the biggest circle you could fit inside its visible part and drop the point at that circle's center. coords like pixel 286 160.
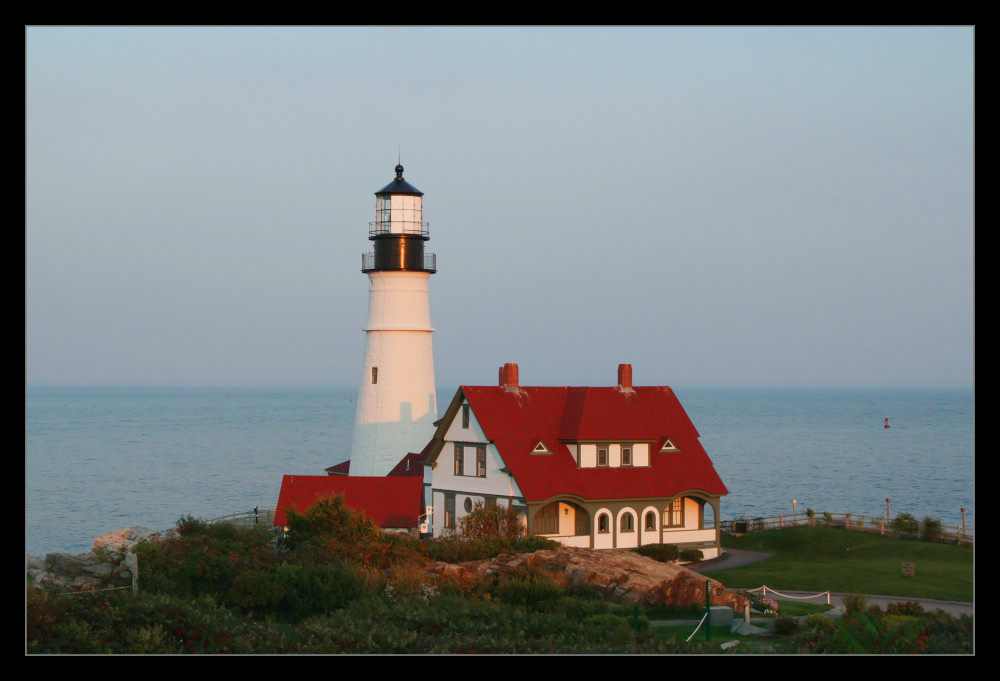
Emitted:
pixel 763 590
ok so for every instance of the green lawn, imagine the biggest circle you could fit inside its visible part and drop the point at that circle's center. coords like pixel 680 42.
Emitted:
pixel 834 559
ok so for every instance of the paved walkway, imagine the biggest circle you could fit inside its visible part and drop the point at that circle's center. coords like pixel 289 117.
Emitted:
pixel 736 558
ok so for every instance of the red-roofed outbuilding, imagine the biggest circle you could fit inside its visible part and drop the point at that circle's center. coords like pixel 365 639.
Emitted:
pixel 393 502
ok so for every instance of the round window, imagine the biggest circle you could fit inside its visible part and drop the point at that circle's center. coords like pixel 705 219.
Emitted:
pixel 468 504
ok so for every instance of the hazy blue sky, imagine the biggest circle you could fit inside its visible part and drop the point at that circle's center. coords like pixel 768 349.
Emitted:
pixel 716 206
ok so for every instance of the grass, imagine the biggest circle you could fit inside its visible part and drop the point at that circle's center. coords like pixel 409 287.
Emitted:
pixel 839 560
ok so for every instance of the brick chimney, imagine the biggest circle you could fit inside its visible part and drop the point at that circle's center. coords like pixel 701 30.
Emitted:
pixel 625 377
pixel 508 376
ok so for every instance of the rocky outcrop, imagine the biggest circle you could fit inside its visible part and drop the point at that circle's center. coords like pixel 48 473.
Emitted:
pixel 619 576
pixel 105 566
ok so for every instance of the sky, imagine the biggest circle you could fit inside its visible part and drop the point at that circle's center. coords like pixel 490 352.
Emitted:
pixel 717 206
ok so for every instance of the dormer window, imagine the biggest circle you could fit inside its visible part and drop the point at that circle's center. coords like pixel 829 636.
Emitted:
pixel 612 454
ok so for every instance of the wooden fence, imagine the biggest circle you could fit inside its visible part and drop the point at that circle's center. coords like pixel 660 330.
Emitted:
pixel 951 534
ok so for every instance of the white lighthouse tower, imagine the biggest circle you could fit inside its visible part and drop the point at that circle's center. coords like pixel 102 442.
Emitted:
pixel 397 400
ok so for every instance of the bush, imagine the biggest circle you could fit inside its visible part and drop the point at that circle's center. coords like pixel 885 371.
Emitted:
pixel 692 555
pixel 911 608
pixel 904 523
pixel 661 552
pixel 486 523
pixel 330 519
pixel 785 625
pixel 854 602
pixel 930 529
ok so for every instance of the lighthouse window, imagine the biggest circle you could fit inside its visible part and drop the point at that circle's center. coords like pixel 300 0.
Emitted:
pixel 382 214
pixel 374 375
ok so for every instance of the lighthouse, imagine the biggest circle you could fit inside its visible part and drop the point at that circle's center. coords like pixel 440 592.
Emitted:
pixel 397 399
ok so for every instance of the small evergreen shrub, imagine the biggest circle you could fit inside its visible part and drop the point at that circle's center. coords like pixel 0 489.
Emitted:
pixel 664 553
pixel 692 555
pixel 904 523
pixel 930 529
pixel 854 602
pixel 785 625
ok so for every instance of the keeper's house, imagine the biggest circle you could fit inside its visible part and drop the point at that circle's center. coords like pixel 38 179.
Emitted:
pixel 606 467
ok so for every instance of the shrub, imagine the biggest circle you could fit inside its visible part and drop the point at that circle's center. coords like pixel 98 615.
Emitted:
pixel 854 602
pixel 904 523
pixel 485 523
pixel 330 519
pixel 661 552
pixel 785 625
pixel 819 622
pixel 692 555
pixel 528 587
pixel 930 529
pixel 311 590
pixel 611 628
pixel 908 608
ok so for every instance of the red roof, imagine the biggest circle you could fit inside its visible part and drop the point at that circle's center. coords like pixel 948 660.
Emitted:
pixel 392 502
pixel 515 420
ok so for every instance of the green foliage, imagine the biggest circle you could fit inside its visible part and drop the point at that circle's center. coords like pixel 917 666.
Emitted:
pixel 491 522
pixel 315 589
pixel 854 603
pixel 528 587
pixel 692 555
pixel 930 529
pixel 904 523
pixel 661 552
pixel 253 596
pixel 785 625
pixel 454 549
pixel 909 608
pixel 330 520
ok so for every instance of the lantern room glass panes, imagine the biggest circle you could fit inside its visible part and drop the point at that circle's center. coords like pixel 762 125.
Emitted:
pixel 398 214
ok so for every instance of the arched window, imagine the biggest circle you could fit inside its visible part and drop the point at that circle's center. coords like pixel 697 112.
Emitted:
pixel 627 523
pixel 651 520
pixel 602 523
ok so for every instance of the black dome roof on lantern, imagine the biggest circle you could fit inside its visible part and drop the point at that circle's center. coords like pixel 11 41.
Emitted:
pixel 399 186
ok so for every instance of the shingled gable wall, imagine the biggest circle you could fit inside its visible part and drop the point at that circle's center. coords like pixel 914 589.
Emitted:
pixel 532 438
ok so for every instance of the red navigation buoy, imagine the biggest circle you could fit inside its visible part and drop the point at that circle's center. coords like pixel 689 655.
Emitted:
pixel 886 422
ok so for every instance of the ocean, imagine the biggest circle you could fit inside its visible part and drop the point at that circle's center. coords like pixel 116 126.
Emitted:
pixel 100 459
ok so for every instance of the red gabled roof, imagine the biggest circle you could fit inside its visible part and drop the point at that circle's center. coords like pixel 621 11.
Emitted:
pixel 515 420
pixel 392 502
